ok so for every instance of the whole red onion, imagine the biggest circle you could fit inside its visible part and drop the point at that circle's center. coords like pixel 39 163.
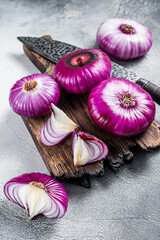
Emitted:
pixel 124 38
pixel 121 107
pixel 79 71
pixel 32 96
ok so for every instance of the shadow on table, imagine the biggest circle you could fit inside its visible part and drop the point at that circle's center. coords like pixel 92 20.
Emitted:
pixel 23 61
pixel 124 63
pixel 19 152
pixel 129 170
pixel 14 223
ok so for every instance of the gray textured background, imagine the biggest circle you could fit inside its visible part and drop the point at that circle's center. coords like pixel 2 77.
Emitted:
pixel 121 206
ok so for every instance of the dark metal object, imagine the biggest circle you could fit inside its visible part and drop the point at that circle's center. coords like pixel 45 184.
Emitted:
pixel 83 181
pixel 151 88
pixel 54 50
pixel 48 48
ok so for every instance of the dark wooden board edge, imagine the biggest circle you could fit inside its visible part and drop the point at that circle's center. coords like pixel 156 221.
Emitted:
pixel 82 180
pixel 99 170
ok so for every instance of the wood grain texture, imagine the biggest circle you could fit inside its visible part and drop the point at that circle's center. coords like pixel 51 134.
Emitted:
pixel 59 159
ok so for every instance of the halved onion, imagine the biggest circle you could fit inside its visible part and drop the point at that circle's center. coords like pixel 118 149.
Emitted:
pixel 121 107
pixel 57 128
pixel 39 194
pixel 32 96
pixel 87 148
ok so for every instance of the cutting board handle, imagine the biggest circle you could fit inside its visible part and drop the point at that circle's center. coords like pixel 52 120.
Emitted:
pixel 151 88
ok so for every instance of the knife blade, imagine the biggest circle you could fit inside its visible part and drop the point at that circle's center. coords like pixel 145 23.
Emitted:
pixel 54 50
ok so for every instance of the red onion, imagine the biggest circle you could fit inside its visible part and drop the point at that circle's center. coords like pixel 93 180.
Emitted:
pixel 121 107
pixel 124 38
pixel 79 71
pixel 57 128
pixel 87 148
pixel 32 96
pixel 39 194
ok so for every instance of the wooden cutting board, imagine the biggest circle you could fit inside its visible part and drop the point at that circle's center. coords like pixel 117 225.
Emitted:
pixel 59 159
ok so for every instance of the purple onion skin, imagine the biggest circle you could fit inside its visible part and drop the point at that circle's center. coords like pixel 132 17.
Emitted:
pixel 90 141
pixel 54 189
pixel 77 79
pixel 44 139
pixel 35 103
pixel 112 40
pixel 111 114
pixel 51 134
pixel 46 142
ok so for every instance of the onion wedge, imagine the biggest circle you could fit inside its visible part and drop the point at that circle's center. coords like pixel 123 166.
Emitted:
pixel 87 148
pixel 57 128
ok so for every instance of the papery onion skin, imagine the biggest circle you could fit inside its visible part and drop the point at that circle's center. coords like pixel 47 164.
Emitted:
pixel 93 150
pixel 34 102
pixel 131 43
pixel 79 71
pixel 121 107
pixel 56 196
pixel 57 127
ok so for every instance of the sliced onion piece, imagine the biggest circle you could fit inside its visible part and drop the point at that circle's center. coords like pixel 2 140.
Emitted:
pixel 124 38
pixel 32 96
pixel 121 107
pixel 57 128
pixel 79 71
pixel 87 148
pixel 39 194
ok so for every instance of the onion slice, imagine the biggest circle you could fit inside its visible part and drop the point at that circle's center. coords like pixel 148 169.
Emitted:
pixel 57 128
pixel 87 148
pixel 39 194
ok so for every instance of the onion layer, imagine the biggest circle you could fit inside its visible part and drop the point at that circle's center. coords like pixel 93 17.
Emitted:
pixel 124 38
pixel 79 71
pixel 39 194
pixel 87 148
pixel 57 128
pixel 121 107
pixel 32 96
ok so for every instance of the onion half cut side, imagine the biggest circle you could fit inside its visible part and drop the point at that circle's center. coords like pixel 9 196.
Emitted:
pixel 39 194
pixel 57 127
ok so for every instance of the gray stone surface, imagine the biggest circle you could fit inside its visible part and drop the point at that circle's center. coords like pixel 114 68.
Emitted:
pixel 121 206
